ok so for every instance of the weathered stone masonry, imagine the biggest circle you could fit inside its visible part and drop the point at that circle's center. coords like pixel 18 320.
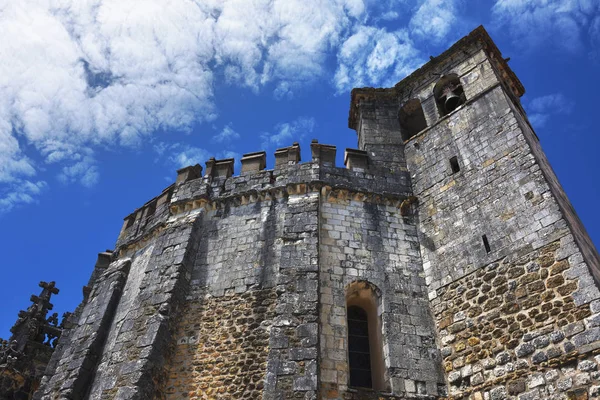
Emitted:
pixel 447 227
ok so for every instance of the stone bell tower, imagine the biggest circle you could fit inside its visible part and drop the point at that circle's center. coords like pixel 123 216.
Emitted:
pixel 442 261
pixel 512 277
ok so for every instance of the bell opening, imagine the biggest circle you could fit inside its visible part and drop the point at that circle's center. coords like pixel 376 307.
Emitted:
pixel 452 102
pixel 449 94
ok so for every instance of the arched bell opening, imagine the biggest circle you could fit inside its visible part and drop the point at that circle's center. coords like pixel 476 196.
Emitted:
pixel 449 94
pixel 412 119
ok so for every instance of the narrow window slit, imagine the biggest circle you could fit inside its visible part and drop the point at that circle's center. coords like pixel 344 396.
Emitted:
pixel 358 348
pixel 486 243
pixel 454 164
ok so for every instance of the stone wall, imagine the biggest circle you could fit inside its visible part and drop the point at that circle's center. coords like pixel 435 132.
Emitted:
pixel 253 288
pixel 122 329
pixel 499 191
pixel 221 347
pixel 367 240
pixel 513 328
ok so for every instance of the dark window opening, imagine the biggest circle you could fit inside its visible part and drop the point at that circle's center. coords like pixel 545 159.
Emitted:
pixel 449 94
pixel 421 387
pixel 151 209
pixel 358 348
pixel 454 164
pixel 412 119
pixel 486 243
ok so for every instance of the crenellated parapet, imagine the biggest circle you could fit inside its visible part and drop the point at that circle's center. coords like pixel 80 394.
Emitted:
pixel 218 185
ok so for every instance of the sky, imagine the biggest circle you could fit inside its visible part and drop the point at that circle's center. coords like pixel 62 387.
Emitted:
pixel 101 101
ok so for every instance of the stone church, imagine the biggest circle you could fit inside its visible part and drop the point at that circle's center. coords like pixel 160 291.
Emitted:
pixel 443 260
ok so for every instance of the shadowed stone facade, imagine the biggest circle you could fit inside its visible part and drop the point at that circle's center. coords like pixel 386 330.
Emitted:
pixel 447 228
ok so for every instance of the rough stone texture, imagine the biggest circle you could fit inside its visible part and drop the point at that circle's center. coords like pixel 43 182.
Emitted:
pixel 236 287
pixel 222 347
pixel 517 324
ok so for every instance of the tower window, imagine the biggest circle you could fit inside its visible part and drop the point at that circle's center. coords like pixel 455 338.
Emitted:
pixel 365 341
pixel 129 222
pixel 449 94
pixel 359 353
pixel 412 119
pixel 151 209
pixel 454 164
pixel 486 243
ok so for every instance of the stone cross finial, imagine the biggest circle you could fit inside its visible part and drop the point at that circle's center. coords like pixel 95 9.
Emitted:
pixel 32 324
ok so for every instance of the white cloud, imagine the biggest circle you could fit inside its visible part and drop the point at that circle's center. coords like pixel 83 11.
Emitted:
pixel 285 133
pixel 543 107
pixel 183 155
pixel 20 192
pixel 80 74
pixel 228 154
pixel 594 32
pixel 434 19
pixel 84 172
pixel 226 135
pixel 554 103
pixel 266 41
pixel 375 57
pixel 180 155
pixel 532 23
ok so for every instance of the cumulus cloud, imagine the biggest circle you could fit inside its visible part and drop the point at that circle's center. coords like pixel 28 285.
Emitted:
pixel 595 38
pixel 373 56
pixel 181 155
pixel 226 135
pixel 433 19
pixel 531 23
pixel 21 192
pixel 80 74
pixel 543 107
pixel 285 133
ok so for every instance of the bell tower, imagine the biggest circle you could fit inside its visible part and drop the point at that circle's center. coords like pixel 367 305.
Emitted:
pixel 511 274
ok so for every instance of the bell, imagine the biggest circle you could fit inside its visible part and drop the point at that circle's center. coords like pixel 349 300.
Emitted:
pixel 452 101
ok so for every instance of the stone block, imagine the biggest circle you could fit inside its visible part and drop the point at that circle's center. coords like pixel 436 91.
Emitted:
pixel 253 162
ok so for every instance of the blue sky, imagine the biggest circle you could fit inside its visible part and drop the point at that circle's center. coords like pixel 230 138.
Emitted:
pixel 101 101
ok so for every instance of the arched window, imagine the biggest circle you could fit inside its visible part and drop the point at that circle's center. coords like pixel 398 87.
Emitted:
pixel 449 94
pixel 412 119
pixel 365 347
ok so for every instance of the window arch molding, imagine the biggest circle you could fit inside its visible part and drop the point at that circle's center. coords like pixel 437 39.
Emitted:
pixel 365 297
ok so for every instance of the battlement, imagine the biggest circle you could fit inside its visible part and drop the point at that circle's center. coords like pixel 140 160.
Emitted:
pixel 219 184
